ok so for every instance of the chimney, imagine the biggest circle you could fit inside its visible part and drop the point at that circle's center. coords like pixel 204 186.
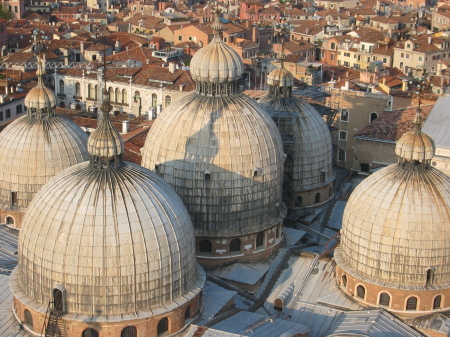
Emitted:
pixel 125 127
pixel 384 80
pixel 430 39
pixel 172 67
pixel 254 34
pixel 12 89
pixel 118 45
pixel 404 85
pixel 181 87
pixel 6 91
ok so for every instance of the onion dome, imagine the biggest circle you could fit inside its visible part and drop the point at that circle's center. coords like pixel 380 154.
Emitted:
pixel 113 235
pixel 396 222
pixel 224 157
pixel 40 99
pixel 305 134
pixel 415 145
pixel 217 62
pixel 36 147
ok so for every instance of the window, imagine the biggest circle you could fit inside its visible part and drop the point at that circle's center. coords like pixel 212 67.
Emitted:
pixel 364 167
pixel 61 87
pixel 402 55
pixel 154 100
pixel 407 56
pixel 385 299
pixel 118 95
pixel 384 60
pixel 167 101
pixel 8 113
pixel 89 332
pixel 373 116
pixel 163 326
pixel 96 92
pixel 341 155
pixel 13 198
pixel 344 115
pixel 317 198
pixel 235 245
pixel 205 246
pixel 124 96
pixel 332 57
pixel 411 303
pixel 28 318
pixel 437 302
pixel 420 58
pixel 260 240
pixel 347 54
pixel 129 331
pixel 187 313
pixel 207 176
pixel 344 280
pixel 430 277
pixel 343 135
pixel 333 45
pixel 19 109
pixel 111 94
pixel 77 90
pixel 90 91
pixel 361 292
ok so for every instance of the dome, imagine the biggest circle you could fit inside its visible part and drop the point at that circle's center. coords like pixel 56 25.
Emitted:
pixel 224 157
pixel 396 227
pixel 35 149
pixel 217 62
pixel 40 97
pixel 311 150
pixel 280 77
pixel 118 241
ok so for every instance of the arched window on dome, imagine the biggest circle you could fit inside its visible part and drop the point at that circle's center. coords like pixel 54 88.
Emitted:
pixel 129 331
pixel 28 318
pixel 124 96
pixel 437 302
pixel 187 313
pixel 317 198
pixel 163 326
pixel 385 299
pixel 10 220
pixel 361 292
pixel 89 332
pixel 260 240
pixel 373 116
pixel 411 303
pixel 430 277
pixel 154 100
pixel 59 298
pixel 118 95
pixel 205 246
pixel 61 87
pixel 235 245
pixel 77 90
pixel 167 101
pixel 344 280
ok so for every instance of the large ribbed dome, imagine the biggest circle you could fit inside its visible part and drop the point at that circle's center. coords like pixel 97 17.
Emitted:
pixel 119 241
pixel 217 62
pixel 224 157
pixel 33 150
pixel 396 227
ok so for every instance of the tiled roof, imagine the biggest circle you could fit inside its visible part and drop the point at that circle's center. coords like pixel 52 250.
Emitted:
pixel 390 126
pixel 140 54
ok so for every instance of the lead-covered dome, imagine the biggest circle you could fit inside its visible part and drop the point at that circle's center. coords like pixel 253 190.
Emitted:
pixel 396 226
pixel 40 97
pixel 217 62
pixel 224 157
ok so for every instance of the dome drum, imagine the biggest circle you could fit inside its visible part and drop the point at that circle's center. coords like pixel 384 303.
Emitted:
pixel 403 301
pixel 212 252
pixel 181 312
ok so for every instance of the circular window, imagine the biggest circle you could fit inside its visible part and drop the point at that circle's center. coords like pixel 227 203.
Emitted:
pixel 433 163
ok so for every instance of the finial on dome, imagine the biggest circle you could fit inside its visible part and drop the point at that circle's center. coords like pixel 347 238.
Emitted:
pixel 217 25
pixel 105 144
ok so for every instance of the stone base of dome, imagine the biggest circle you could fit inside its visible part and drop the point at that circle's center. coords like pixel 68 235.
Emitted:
pixel 315 196
pixel 399 301
pixel 11 218
pixel 173 317
pixel 259 246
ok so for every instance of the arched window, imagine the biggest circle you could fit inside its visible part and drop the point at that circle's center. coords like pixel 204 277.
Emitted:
pixel 77 90
pixel 61 87
pixel 163 326
pixel 373 116
pixel 205 246
pixel 9 220
pixel 235 245
pixel 385 299
pixel 58 299
pixel 129 331
pixel 361 292
pixel 167 101
pixel 317 198
pixel 89 332
pixel 154 100
pixel 96 92
pixel 344 280
pixel 111 94
pixel 90 91
pixel 437 302
pixel 62 105
pixel 187 313
pixel 430 277
pixel 118 96
pixel 124 96
pixel 411 303
pixel 137 96
pixel 28 318
pixel 344 115
pixel 260 240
